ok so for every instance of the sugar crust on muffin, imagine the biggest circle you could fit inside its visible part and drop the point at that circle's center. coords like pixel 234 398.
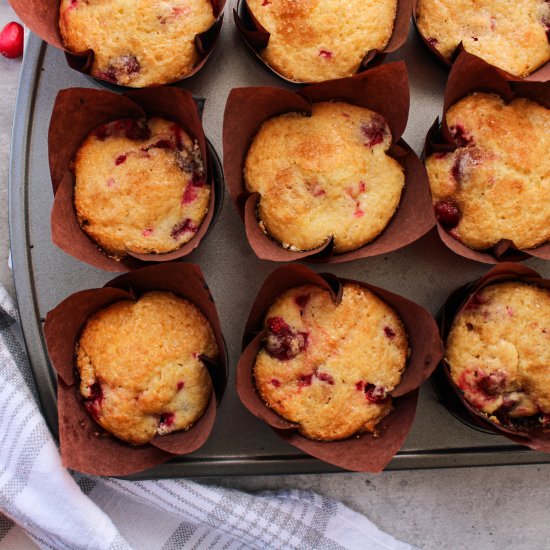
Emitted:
pixel 140 186
pixel 496 184
pixel 330 368
pixel 324 175
pixel 509 35
pixel 498 351
pixel 140 370
pixel 138 43
pixel 316 40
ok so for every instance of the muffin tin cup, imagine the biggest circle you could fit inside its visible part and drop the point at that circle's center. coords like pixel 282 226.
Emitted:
pixel 42 18
pixel 471 74
pixel 384 90
pixel 449 393
pixel 78 111
pixel 256 37
pixel 542 74
pixel 365 452
pixel 85 446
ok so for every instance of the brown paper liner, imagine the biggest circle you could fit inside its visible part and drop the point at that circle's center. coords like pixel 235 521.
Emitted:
pixel 42 18
pixel 450 394
pixel 471 74
pixel 364 453
pixel 542 74
pixel 85 446
pixel 382 89
pixel 256 37
pixel 78 111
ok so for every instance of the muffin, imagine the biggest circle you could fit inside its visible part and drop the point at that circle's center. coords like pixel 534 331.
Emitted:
pixel 324 175
pixel 140 186
pixel 137 43
pixel 140 367
pixel 509 35
pixel 330 368
pixel 316 40
pixel 498 351
pixel 496 184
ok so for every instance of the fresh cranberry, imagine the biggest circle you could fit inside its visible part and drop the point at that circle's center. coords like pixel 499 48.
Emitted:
pixel 282 341
pixel 325 377
pixel 302 300
pixel 275 383
pixel 167 419
pixel 375 394
pixel 120 159
pixel 374 131
pixel 447 213
pixel 186 226
pixel 325 54
pixel 305 380
pixel 460 135
pixel 389 332
pixel 180 385
pixel 11 40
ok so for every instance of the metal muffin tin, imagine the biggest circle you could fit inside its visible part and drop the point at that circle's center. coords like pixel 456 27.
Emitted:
pixel 425 271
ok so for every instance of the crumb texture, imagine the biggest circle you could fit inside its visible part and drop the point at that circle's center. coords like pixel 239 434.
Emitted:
pixel 140 187
pixel 324 175
pixel 316 40
pixel 510 34
pixel 139 366
pixel 138 43
pixel 330 368
pixel 496 184
pixel 498 351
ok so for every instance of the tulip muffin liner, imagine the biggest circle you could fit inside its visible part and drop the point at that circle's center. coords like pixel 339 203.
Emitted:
pixel 471 74
pixel 42 18
pixel 450 394
pixel 78 111
pixel 542 74
pixel 365 452
pixel 384 90
pixel 256 37
pixel 85 446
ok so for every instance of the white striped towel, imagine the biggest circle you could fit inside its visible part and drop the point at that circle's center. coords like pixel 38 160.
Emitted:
pixel 62 511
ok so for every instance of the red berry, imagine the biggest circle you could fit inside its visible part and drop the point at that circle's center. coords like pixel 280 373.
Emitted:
pixel 11 40
pixel 447 213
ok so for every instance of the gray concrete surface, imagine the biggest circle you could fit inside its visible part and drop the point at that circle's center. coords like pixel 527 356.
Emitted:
pixel 475 508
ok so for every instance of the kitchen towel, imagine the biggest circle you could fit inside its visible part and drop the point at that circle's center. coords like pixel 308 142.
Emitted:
pixel 60 510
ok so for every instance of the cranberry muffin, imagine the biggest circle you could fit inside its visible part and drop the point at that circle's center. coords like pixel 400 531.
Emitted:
pixel 496 184
pixel 509 35
pixel 138 43
pixel 140 186
pixel 324 175
pixel 330 368
pixel 140 367
pixel 498 351
pixel 317 40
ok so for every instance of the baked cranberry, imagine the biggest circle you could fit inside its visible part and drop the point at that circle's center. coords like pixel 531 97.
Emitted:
pixel 375 394
pixel 120 69
pixel 189 195
pixel 374 131
pixel 275 383
pixel 137 130
pixel 110 182
pixel 180 385
pixel 186 226
pixel 93 402
pixel 491 384
pixel 305 380
pixel 325 54
pixel 389 332
pixel 359 213
pixel 447 213
pixel 120 159
pixel 432 41
pixel 302 300
pixel 282 341
pixel 147 231
pixel 460 135
pixel 178 134
pixel 163 144
pixel 477 300
pixel 325 377
pixel 167 419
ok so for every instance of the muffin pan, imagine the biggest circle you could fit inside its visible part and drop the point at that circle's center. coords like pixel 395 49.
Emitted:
pixel 425 271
